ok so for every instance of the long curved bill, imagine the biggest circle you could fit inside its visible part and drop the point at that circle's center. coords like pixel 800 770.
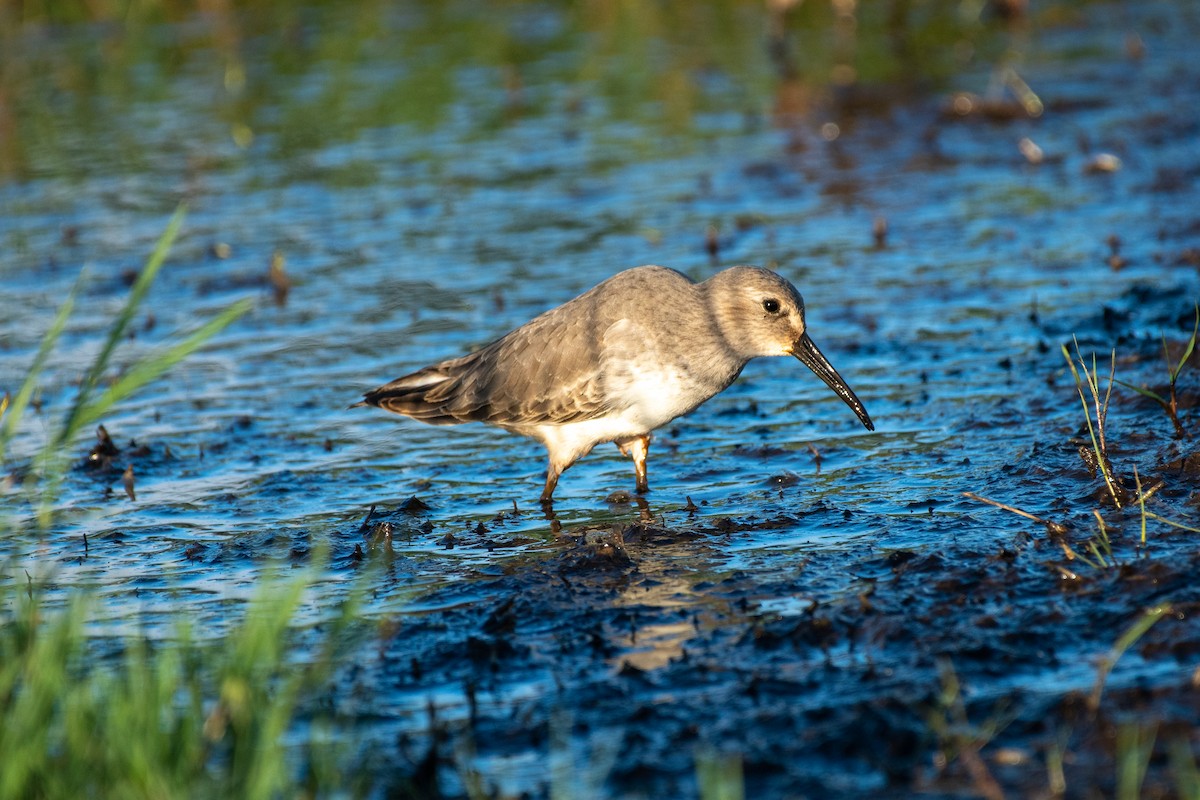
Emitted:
pixel 805 350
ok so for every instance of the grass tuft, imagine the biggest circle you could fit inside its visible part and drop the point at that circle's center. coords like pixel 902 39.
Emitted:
pixel 1099 458
pixel 1170 403
pixel 179 718
pixel 91 403
pixel 961 740
pixel 1126 640
pixel 162 719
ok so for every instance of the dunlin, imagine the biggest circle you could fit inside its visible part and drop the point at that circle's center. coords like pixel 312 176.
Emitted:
pixel 617 362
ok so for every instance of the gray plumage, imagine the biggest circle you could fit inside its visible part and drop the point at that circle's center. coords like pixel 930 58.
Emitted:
pixel 618 361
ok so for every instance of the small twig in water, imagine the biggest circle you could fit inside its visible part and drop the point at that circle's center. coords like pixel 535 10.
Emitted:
pixel 1055 528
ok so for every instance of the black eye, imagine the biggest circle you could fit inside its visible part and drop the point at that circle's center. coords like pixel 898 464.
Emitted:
pixel 771 305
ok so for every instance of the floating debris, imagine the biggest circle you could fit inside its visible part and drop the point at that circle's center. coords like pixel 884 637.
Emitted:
pixel 1030 149
pixel 101 455
pixel 1102 163
pixel 278 278
pixel 127 480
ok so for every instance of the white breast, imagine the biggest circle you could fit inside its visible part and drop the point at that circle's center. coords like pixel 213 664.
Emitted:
pixel 645 379
pixel 654 395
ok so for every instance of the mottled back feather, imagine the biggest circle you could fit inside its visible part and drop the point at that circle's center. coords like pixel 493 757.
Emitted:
pixel 550 370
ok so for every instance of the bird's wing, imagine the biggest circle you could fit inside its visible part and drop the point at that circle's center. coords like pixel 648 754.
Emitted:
pixel 547 371
pixel 557 368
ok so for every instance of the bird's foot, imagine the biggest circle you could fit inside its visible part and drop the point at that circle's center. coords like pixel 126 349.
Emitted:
pixel 644 514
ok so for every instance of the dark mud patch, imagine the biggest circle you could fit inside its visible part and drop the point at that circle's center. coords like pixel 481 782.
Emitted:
pixel 995 658
pixel 837 695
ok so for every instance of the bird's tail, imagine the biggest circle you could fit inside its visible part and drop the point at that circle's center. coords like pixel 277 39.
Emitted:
pixel 426 395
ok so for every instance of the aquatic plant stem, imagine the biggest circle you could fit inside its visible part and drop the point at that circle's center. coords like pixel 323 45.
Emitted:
pixel 1099 446
pixel 1126 640
pixel 1171 404
pixel 1137 482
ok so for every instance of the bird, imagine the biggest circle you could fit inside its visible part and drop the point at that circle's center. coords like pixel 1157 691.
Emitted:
pixel 616 363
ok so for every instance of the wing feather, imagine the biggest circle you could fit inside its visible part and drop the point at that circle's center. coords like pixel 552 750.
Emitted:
pixel 552 370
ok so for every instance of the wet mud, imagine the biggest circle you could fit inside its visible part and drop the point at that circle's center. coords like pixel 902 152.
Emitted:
pixel 985 663
pixel 957 604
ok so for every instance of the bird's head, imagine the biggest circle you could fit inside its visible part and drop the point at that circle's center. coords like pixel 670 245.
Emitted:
pixel 761 314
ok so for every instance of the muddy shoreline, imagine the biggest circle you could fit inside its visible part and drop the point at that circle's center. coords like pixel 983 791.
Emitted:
pixel 802 608
pixel 980 664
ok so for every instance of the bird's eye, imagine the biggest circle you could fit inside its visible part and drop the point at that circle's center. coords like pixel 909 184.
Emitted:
pixel 771 305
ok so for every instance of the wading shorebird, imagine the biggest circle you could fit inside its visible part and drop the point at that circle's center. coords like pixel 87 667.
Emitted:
pixel 619 361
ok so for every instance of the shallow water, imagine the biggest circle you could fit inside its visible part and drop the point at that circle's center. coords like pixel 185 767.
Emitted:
pixel 440 181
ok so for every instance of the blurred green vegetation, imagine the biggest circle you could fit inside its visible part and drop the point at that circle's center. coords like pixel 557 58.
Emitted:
pixel 179 718
pixel 98 391
pixel 140 716
pixel 108 87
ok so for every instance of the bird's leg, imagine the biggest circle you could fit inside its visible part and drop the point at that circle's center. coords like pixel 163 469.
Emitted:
pixel 641 449
pixel 551 481
pixel 638 448
pixel 553 470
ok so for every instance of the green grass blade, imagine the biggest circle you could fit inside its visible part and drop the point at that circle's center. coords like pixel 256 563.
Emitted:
pixel 719 775
pixel 1144 392
pixel 1134 747
pixel 1191 345
pixel 1112 376
pixel 1126 640
pixel 21 401
pixel 73 423
pixel 1183 766
pixel 150 368
pixel 1172 523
